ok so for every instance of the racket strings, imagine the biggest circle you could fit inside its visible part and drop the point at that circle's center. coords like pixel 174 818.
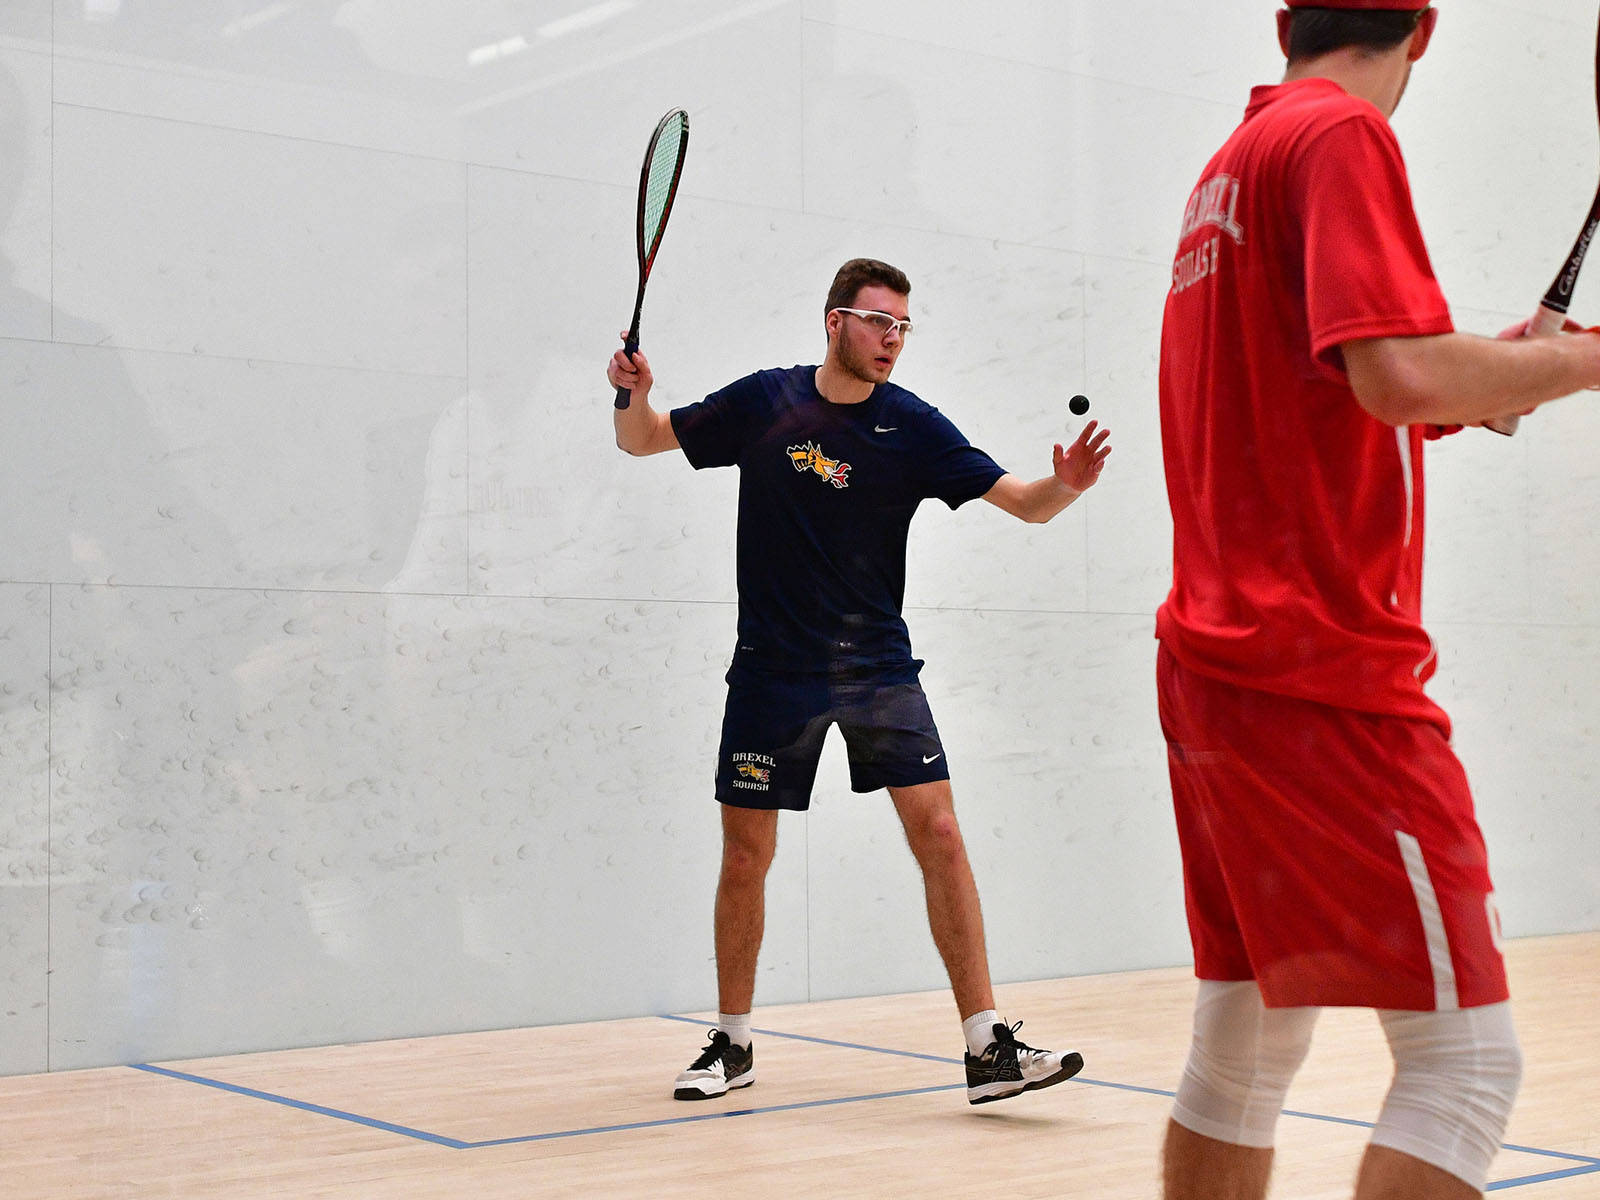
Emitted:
pixel 661 178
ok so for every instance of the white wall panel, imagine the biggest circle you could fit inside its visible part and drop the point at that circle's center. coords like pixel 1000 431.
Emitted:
pixel 1501 197
pixel 557 509
pixel 295 70
pixel 587 110
pixel 191 240
pixel 24 192
pixel 1564 512
pixel 938 154
pixel 568 89
pixel 25 24
pixel 1523 701
pixel 283 818
pixel 24 826
pixel 1513 524
pixel 999 351
pixel 178 469
pixel 1566 11
pixel 1211 52
pixel 1129 526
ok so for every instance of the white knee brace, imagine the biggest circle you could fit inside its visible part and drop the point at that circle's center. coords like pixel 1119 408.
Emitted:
pixel 1455 1078
pixel 1241 1063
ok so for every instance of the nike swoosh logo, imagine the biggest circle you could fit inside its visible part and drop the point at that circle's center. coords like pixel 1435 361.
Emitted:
pixel 881 429
pixel 928 758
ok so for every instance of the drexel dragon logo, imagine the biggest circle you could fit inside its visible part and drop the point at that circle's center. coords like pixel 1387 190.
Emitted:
pixel 811 458
pixel 754 771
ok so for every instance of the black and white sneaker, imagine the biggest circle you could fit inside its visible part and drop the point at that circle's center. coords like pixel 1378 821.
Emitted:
pixel 1009 1068
pixel 721 1067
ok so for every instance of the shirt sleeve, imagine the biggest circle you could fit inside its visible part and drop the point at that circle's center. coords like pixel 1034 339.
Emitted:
pixel 1367 272
pixel 955 470
pixel 713 432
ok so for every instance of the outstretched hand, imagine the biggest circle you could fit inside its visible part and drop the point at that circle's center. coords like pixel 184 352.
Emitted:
pixel 1079 465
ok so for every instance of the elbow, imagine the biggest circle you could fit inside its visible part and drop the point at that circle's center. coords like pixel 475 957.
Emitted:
pixel 1392 384
pixel 1397 397
pixel 1392 408
pixel 643 436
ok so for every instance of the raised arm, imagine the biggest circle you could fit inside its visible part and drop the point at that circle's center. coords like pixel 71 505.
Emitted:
pixel 1462 379
pixel 640 429
pixel 1076 469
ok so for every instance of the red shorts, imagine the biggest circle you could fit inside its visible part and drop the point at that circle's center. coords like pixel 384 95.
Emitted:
pixel 1330 855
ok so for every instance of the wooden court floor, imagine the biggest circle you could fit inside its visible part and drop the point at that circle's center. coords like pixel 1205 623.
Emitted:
pixel 854 1098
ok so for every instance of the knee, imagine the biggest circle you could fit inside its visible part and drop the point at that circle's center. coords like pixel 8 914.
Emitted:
pixel 1456 1078
pixel 745 860
pixel 1241 1062
pixel 936 840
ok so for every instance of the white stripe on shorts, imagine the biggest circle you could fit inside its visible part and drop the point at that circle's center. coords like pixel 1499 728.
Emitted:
pixel 1444 972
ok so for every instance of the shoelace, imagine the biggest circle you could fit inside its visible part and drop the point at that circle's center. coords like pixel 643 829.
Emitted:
pixel 1007 1036
pixel 719 1043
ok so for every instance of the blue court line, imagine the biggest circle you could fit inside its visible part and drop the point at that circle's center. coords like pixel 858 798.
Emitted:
pixel 1547 1177
pixel 1583 1158
pixel 1587 1165
pixel 458 1144
pixel 714 1116
pixel 320 1110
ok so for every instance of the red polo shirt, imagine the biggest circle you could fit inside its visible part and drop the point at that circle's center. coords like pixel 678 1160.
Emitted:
pixel 1297 516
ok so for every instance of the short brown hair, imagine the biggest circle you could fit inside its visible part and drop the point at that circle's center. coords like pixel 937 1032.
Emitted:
pixel 1314 32
pixel 864 272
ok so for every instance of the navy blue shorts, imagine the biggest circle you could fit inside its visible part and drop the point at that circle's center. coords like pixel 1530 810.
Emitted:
pixel 775 723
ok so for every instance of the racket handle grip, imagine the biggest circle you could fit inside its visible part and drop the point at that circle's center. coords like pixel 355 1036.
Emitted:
pixel 1504 425
pixel 1546 322
pixel 624 396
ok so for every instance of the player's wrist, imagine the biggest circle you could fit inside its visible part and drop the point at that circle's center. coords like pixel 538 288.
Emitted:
pixel 1588 338
pixel 1072 493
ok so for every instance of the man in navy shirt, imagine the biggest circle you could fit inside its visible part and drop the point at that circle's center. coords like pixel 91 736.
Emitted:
pixel 833 461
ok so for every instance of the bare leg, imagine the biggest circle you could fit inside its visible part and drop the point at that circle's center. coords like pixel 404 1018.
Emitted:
pixel 749 840
pixel 1387 1174
pixel 927 811
pixel 1195 1167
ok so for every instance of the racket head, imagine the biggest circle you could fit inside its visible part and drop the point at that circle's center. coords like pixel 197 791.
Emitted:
pixel 658 188
pixel 658 184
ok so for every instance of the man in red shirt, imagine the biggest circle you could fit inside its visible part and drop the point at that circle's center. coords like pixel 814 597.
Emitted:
pixel 1331 854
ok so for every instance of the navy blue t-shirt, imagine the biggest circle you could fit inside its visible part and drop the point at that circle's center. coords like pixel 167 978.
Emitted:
pixel 826 494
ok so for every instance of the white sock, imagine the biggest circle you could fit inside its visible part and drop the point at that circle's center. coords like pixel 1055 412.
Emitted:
pixel 979 1030
pixel 736 1026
